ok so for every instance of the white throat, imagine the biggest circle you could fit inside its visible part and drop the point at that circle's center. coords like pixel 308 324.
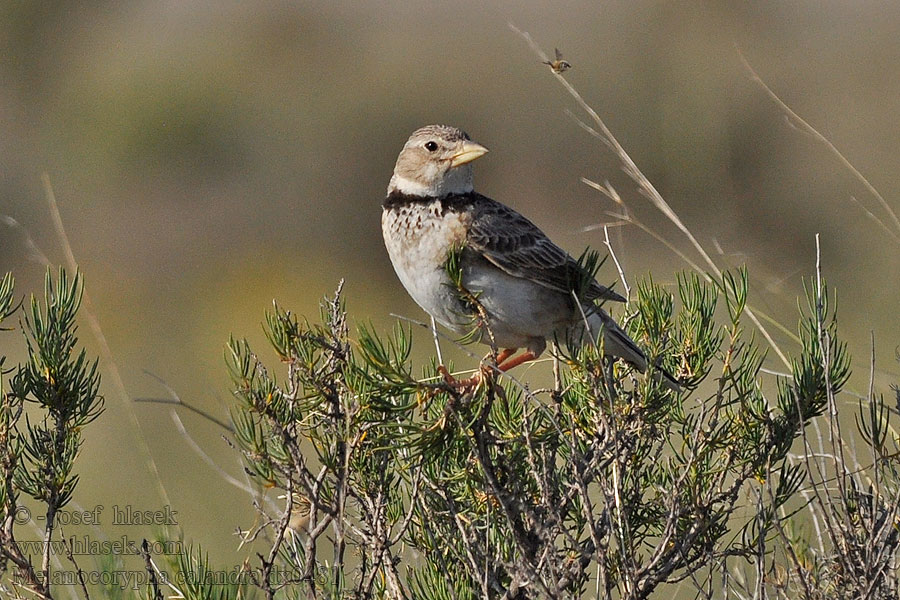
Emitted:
pixel 454 181
pixel 408 187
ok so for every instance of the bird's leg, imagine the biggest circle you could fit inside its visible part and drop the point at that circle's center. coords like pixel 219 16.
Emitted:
pixel 515 362
pixel 504 354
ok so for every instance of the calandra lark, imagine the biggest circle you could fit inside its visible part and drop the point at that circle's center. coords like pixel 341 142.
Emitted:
pixel 521 280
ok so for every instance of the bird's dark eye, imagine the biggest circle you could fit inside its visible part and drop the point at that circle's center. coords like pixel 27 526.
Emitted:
pixel 431 146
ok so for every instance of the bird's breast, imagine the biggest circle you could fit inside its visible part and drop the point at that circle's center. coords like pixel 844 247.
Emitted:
pixel 421 234
pixel 418 237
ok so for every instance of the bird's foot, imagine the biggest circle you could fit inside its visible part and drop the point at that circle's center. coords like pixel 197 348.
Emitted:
pixel 505 362
pixel 461 384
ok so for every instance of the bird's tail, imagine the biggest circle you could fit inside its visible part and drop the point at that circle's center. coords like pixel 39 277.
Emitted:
pixel 617 343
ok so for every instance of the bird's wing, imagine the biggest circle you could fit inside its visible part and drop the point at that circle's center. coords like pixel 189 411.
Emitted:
pixel 519 248
pixel 558 54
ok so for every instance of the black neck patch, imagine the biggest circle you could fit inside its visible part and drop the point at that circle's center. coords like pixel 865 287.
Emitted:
pixel 452 202
pixel 398 199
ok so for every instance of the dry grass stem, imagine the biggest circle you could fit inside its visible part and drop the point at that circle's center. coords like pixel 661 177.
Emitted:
pixel 603 133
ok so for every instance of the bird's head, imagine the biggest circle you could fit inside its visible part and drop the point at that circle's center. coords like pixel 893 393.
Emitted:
pixel 435 162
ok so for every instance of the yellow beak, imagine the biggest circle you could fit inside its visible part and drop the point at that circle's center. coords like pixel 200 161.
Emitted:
pixel 469 152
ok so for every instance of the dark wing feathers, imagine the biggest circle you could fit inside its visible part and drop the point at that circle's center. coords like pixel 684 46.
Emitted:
pixel 521 249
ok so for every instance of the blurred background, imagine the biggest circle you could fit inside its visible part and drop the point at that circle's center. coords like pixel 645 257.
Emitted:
pixel 209 157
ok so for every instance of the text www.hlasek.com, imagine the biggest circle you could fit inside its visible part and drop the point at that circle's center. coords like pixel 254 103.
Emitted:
pixel 87 546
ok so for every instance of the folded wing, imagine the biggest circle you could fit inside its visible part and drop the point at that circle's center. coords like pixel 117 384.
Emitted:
pixel 518 247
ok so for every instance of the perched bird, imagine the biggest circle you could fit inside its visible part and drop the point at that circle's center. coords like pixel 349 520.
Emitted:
pixel 559 65
pixel 523 282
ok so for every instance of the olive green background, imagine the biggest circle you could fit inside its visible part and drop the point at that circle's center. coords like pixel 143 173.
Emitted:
pixel 208 157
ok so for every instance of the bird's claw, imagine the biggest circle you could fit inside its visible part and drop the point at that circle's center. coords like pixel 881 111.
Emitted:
pixel 462 384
